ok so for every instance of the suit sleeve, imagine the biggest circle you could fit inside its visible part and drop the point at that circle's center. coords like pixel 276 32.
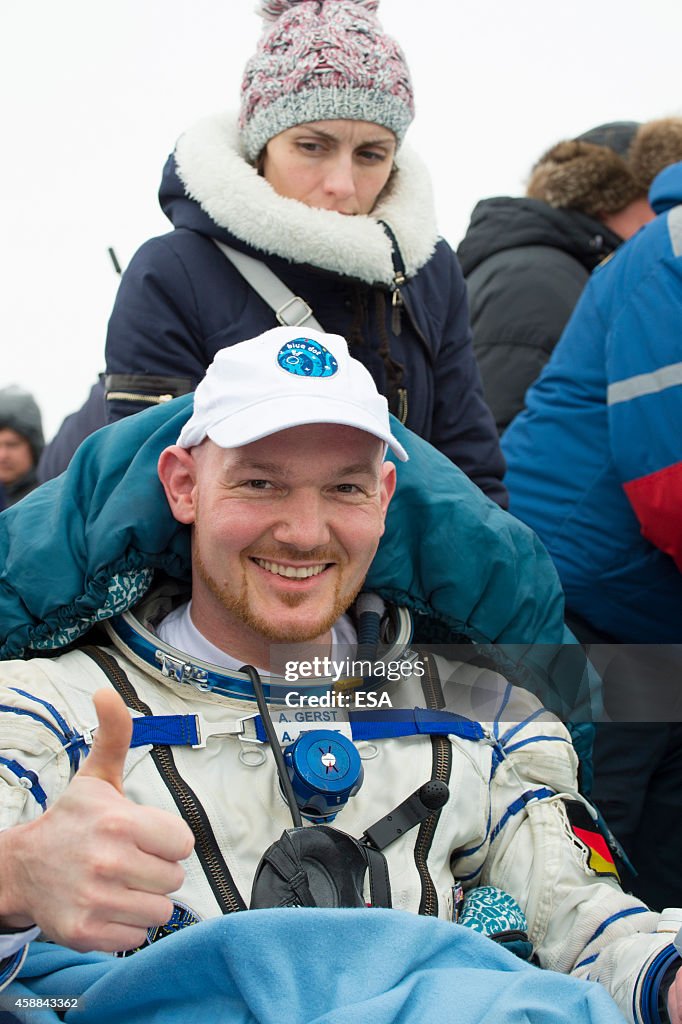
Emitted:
pixel 548 852
pixel 39 751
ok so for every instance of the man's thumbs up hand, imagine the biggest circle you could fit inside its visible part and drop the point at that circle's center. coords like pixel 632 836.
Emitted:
pixel 112 740
pixel 95 869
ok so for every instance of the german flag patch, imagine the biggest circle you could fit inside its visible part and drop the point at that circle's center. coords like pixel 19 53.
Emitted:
pixel 590 838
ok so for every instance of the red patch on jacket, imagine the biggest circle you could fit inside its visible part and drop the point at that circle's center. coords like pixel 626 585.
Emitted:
pixel 656 500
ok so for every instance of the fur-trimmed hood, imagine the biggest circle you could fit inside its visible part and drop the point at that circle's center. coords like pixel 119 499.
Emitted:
pixel 576 175
pixel 209 187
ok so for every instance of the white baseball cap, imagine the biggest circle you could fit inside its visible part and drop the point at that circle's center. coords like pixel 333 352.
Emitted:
pixel 285 378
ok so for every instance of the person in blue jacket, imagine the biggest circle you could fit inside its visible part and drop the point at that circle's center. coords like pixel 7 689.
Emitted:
pixel 595 467
pixel 311 178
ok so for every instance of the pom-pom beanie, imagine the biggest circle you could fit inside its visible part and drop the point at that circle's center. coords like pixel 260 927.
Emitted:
pixel 321 60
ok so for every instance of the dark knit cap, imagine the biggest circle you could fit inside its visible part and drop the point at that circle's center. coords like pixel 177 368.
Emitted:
pixel 19 412
pixel 617 135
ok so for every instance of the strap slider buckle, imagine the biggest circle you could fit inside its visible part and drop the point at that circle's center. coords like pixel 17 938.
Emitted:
pixel 235 727
pixel 287 316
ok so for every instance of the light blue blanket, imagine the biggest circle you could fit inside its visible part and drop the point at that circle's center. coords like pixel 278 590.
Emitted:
pixel 309 966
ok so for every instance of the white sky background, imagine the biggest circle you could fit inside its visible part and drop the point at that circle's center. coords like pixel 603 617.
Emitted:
pixel 95 94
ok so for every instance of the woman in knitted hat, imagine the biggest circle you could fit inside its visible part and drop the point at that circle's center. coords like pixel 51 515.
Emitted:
pixel 312 180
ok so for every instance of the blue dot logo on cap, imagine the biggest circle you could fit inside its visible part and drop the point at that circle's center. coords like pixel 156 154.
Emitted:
pixel 305 357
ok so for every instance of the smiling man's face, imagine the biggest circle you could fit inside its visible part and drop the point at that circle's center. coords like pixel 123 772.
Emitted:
pixel 285 529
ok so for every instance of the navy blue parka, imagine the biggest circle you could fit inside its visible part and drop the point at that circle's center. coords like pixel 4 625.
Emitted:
pixel 181 301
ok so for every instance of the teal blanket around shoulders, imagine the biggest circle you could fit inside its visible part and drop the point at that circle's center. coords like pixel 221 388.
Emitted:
pixel 84 547
pixel 310 966
pixel 448 551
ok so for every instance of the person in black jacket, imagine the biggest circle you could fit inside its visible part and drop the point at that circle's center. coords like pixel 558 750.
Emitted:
pixel 526 260
pixel 311 179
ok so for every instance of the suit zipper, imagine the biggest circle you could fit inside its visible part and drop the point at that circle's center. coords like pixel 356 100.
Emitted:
pixel 441 769
pixel 206 845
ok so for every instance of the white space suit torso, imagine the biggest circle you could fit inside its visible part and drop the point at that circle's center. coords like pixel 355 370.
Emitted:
pixel 504 824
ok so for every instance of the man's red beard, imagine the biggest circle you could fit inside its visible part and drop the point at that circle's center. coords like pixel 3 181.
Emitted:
pixel 237 601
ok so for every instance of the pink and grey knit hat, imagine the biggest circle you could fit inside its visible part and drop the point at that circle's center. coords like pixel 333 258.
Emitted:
pixel 322 60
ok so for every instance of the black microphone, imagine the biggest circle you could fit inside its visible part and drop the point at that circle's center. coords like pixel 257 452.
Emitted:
pixel 419 806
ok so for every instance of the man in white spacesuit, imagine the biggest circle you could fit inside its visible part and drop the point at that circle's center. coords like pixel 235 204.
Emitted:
pixel 281 475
